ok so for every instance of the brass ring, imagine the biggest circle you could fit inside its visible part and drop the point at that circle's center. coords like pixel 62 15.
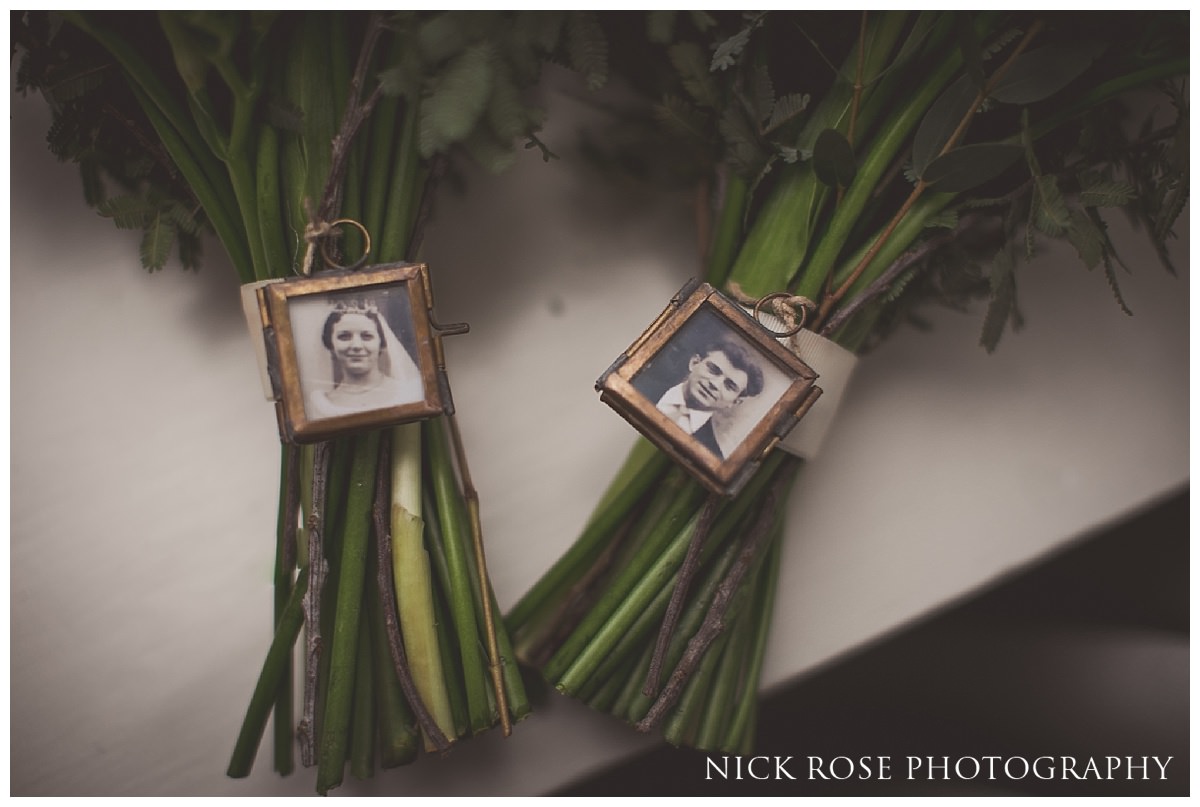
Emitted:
pixel 366 248
pixel 775 296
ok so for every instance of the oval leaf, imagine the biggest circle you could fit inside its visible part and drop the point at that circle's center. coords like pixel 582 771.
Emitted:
pixel 833 159
pixel 1037 75
pixel 940 122
pixel 964 168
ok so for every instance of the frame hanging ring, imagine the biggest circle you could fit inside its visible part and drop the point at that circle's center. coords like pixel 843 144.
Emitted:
pixel 366 246
pixel 776 296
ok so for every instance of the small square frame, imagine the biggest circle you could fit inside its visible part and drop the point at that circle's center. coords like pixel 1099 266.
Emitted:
pixel 699 309
pixel 405 291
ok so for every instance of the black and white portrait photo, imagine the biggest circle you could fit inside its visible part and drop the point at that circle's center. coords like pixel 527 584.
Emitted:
pixel 711 383
pixel 354 352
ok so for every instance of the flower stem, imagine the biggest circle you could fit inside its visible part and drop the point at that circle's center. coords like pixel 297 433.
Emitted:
pixel 343 650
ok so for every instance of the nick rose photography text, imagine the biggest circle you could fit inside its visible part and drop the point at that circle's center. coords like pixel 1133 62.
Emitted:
pixel 929 768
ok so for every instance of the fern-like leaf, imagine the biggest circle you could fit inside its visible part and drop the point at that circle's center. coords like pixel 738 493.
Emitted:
pixel 1087 239
pixel 786 109
pixel 726 53
pixel 458 98
pixel 1051 214
pixel 690 64
pixel 128 212
pixel 587 49
pixel 157 240
pixel 1106 194
pixel 660 26
pixel 677 114
pixel 1111 276
pixel 1002 304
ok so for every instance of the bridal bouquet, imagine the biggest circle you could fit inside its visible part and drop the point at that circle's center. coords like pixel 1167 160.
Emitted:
pixel 859 166
pixel 292 136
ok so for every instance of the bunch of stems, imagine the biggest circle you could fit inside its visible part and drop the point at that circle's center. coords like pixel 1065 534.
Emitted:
pixel 629 597
pixel 378 553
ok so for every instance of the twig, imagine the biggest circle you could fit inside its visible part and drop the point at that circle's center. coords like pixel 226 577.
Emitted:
pixel 437 169
pixel 687 572
pixel 356 114
pixel 714 620
pixel 882 283
pixel 387 592
pixel 318 568
pixel 285 569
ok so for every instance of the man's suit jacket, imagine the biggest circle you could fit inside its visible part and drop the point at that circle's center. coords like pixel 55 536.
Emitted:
pixel 708 439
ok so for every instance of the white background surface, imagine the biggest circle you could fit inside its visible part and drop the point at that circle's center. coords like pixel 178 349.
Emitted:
pixel 144 463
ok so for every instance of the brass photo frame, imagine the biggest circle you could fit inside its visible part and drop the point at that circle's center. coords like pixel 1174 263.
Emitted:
pixel 354 350
pixel 711 386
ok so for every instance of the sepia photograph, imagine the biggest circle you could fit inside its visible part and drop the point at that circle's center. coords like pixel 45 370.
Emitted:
pixel 711 386
pixel 353 358
pixel 352 351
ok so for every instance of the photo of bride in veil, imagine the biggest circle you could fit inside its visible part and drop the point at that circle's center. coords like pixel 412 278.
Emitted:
pixel 355 352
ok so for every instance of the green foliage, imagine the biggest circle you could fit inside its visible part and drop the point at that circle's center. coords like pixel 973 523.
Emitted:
pixel 587 48
pixel 833 159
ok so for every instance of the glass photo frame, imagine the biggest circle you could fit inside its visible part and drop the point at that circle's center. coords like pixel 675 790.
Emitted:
pixel 354 350
pixel 711 386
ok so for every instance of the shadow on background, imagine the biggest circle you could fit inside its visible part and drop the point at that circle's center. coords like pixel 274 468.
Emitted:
pixel 1084 655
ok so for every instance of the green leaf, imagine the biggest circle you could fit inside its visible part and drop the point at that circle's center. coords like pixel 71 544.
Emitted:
pixel 947 220
pixel 1051 214
pixel 833 159
pixel 968 166
pixel 156 243
pixel 541 29
pixel 1087 239
pixel 660 26
pixel 679 115
pixel 441 37
pixel 505 112
pixel 73 85
pixel 454 103
pixel 1107 194
pixel 399 80
pixel 691 65
pixel 726 53
pixel 740 141
pixel 1002 304
pixel 969 47
pixel 185 220
pixel 587 49
pixel 1038 74
pixel 762 93
pixel 93 184
pixel 941 121
pixel 787 108
pixel 1111 276
pixel 128 212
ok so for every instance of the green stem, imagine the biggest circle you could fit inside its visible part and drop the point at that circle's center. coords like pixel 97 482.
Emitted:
pixel 728 232
pixel 398 735
pixel 276 667
pixel 405 196
pixel 624 601
pixel 458 589
pixel 352 572
pixel 642 468
pixel 875 163
pixel 285 569
pixel 362 738
pixel 676 519
pixel 413 581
